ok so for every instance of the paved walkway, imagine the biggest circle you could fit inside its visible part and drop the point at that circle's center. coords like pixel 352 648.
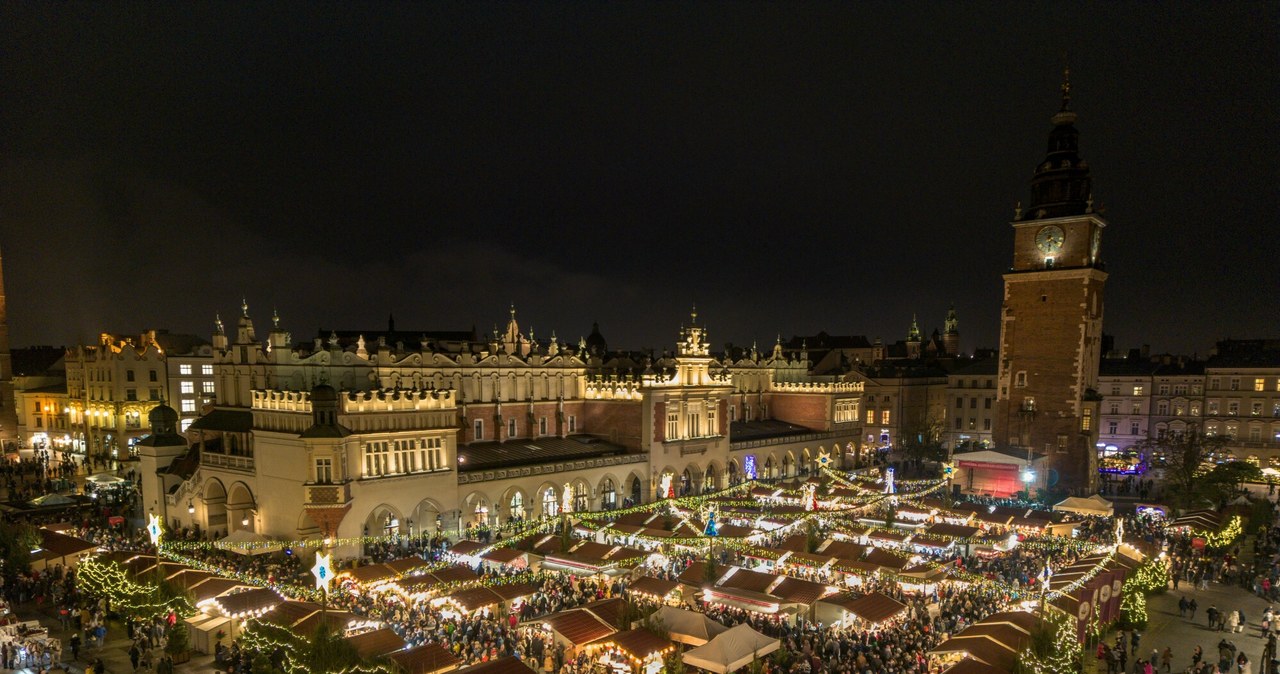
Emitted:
pixel 114 653
pixel 1165 628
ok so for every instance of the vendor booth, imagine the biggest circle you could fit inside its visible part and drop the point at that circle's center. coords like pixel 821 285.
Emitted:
pixel 1092 506
pixel 730 650
pixel 870 610
pixel 631 651
pixel 425 659
pixel 655 589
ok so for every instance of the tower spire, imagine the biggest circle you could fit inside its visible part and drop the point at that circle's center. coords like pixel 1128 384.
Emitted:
pixel 1066 87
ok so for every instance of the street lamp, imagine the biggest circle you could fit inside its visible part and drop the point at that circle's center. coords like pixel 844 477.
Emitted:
pixel 191 508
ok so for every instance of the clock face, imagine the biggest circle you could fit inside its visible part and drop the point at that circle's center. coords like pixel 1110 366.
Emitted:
pixel 1095 243
pixel 1049 239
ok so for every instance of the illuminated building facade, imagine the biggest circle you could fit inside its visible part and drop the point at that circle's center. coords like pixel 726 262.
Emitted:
pixel 398 432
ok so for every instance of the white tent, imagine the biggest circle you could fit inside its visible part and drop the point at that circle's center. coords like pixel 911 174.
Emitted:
pixel 103 479
pixel 730 650
pixel 688 627
pixel 248 542
pixel 1093 505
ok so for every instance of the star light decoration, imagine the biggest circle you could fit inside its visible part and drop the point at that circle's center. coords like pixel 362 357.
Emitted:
pixel 323 572
pixel 824 459
pixel 154 529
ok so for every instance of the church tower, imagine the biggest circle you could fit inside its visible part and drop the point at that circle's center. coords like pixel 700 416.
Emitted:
pixel 8 406
pixel 951 333
pixel 1051 319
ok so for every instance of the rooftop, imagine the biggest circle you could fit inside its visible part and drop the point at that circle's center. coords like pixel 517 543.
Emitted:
pixel 488 455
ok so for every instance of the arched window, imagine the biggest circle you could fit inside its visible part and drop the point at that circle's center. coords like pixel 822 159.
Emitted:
pixel 637 491
pixel 686 482
pixel 580 498
pixel 517 505
pixel 786 465
pixel 769 470
pixel 733 474
pixel 550 504
pixel 709 480
pixel 608 497
pixel 482 511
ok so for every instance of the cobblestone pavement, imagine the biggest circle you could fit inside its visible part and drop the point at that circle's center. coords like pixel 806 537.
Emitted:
pixel 1165 628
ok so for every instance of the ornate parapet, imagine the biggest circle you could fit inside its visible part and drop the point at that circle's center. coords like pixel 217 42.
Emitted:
pixel 357 402
pixel 550 468
pixel 398 400
pixel 818 387
pixel 613 388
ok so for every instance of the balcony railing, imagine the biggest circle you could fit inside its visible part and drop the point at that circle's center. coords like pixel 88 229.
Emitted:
pixel 228 461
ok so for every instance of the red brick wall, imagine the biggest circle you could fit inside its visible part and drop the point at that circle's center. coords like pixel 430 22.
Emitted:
pixel 724 417
pixel 616 420
pixel 806 410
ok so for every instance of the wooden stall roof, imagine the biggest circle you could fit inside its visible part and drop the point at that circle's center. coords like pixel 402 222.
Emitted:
pixel 639 518
pixel 884 558
pixel 212 587
pixel 746 579
pixel 455 574
pixel 990 652
pixel 505 665
pixel 62 545
pixel 656 587
pixel 372 573
pixel 426 659
pixel 503 555
pixel 248 601
pixel 892 536
pixel 139 565
pixel 798 591
pixel 956 530
pixel 578 626
pixel 793 543
pixel 932 541
pixel 338 620
pixel 608 610
pixel 474 598
pixel 289 613
pixel 466 547
pixel 191 578
pixel 695 574
pixel 733 531
pixel 377 643
pixel 843 549
pixel 873 607
pixel 509 591
pixel 407 564
pixel 637 643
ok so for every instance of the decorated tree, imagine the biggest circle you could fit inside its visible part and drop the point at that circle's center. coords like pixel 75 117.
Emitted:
pixel 1053 648
pixel 1183 455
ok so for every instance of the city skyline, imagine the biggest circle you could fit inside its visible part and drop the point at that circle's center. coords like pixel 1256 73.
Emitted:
pixel 833 170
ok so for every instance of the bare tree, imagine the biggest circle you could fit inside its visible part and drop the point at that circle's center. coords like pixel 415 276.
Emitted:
pixel 1184 454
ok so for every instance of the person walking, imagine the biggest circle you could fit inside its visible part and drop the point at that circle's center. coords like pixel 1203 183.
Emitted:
pixel 1166 659
pixel 1193 607
pixel 1182 606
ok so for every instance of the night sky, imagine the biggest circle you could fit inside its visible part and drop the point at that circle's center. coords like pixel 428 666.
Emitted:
pixel 789 168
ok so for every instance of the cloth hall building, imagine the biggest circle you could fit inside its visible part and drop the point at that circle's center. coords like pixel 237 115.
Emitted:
pixel 382 432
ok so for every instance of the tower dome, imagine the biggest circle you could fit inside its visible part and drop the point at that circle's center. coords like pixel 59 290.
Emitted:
pixel 163 420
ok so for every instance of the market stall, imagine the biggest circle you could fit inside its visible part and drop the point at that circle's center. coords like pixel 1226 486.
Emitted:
pixel 655 589
pixel 870 610
pixel 425 659
pixel 636 651
pixel 731 650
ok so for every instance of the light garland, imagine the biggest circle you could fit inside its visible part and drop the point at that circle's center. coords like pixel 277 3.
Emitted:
pixel 1225 537
pixel 107 579
pixel 1063 657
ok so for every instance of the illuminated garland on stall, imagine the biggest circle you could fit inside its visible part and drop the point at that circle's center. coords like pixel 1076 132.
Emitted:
pixel 267 638
pixel 1225 537
pixel 1151 577
pixel 107 579
pixel 1063 655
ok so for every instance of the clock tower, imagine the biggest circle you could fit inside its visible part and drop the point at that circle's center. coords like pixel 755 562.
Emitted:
pixel 1051 319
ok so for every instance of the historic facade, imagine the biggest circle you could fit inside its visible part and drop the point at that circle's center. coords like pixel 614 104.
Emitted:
pixel 356 434
pixel 1051 318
